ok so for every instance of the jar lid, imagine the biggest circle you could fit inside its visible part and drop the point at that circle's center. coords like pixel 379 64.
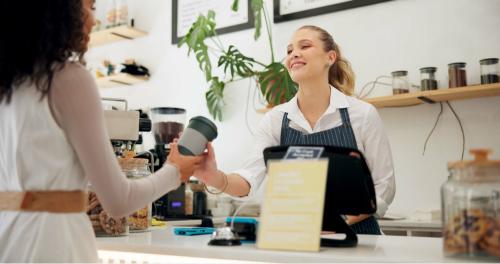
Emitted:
pixel 457 65
pixel 168 110
pixel 488 61
pixel 132 162
pixel 428 70
pixel 480 160
pixel 399 73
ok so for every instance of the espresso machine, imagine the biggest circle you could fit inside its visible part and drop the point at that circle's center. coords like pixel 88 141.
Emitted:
pixel 168 124
pixel 124 126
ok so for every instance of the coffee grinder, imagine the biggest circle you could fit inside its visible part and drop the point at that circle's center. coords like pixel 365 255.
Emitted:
pixel 168 123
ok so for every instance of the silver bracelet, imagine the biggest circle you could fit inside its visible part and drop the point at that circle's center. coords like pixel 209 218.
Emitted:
pixel 226 183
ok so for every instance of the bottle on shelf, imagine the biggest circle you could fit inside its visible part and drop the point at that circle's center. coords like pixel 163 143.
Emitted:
pixel 457 75
pixel 400 82
pixel 428 78
pixel 489 70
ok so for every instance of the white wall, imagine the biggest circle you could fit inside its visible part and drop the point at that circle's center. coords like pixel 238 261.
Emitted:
pixel 377 39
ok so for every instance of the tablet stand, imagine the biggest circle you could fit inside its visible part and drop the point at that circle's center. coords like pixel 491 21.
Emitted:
pixel 341 227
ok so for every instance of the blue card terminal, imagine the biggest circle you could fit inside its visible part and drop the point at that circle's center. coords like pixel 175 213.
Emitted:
pixel 192 231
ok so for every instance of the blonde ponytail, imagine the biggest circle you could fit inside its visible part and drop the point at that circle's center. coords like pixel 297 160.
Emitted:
pixel 341 75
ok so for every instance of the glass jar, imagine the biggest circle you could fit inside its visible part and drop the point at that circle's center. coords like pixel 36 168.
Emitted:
pixel 471 207
pixel 199 198
pixel 188 200
pixel 111 19
pixel 121 12
pixel 428 78
pixel 400 83
pixel 456 75
pixel 135 168
pixel 489 70
pixel 102 223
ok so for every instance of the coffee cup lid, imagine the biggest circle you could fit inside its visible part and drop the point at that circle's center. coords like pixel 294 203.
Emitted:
pixel 207 127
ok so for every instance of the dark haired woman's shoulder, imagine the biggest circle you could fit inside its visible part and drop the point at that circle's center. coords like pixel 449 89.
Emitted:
pixel 72 67
pixel 72 72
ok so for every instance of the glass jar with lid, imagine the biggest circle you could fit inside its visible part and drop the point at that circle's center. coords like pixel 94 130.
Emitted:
pixel 457 76
pixel 489 70
pixel 188 200
pixel 137 168
pixel 400 82
pixel 471 207
pixel 428 78
pixel 102 223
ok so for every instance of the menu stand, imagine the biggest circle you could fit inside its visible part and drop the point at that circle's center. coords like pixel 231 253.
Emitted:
pixel 341 227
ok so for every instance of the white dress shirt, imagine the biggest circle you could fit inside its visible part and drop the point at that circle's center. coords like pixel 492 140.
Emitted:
pixel 368 129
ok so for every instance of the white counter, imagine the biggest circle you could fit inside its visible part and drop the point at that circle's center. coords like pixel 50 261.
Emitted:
pixel 164 244
pixel 411 227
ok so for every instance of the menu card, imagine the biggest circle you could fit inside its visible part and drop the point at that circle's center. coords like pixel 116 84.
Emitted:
pixel 292 212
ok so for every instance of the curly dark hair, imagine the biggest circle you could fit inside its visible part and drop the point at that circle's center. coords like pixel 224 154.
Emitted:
pixel 36 37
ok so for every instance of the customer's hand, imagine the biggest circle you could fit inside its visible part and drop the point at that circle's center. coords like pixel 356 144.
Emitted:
pixel 207 171
pixel 185 164
pixel 93 202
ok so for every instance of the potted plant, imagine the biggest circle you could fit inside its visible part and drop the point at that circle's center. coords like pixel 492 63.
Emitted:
pixel 273 79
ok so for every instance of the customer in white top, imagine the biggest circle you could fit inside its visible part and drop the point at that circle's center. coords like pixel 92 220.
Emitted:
pixel 323 112
pixel 53 139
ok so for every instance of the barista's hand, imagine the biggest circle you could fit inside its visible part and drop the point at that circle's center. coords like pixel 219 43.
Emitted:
pixel 207 172
pixel 185 164
pixel 353 219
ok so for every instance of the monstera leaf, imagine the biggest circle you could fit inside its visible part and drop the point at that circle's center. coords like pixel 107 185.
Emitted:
pixel 276 84
pixel 214 97
pixel 257 7
pixel 237 63
pixel 274 81
pixel 201 29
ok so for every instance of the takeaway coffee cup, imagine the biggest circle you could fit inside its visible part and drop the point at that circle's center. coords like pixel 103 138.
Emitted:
pixel 195 137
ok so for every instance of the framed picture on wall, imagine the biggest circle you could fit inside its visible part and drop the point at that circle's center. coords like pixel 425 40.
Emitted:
pixel 185 13
pixel 285 10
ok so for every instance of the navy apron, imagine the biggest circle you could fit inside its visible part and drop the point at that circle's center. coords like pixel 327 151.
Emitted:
pixel 341 136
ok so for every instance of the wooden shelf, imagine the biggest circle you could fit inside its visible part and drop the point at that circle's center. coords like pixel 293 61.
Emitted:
pixel 449 94
pixel 114 34
pixel 120 79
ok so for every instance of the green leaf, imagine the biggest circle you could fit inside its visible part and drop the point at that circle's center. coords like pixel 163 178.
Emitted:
pixel 237 63
pixel 257 8
pixel 204 62
pixel 214 97
pixel 276 84
pixel 200 30
pixel 235 6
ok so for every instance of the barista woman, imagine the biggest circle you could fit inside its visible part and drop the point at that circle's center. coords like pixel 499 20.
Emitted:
pixel 322 112
pixel 53 140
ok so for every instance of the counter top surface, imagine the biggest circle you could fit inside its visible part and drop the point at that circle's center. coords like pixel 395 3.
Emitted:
pixel 410 223
pixel 370 249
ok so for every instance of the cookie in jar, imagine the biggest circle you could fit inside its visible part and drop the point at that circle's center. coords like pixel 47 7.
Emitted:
pixel 471 208
pixel 137 168
pixel 139 220
pixel 102 223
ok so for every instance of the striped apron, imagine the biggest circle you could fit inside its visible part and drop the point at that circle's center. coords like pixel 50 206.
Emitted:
pixel 341 136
